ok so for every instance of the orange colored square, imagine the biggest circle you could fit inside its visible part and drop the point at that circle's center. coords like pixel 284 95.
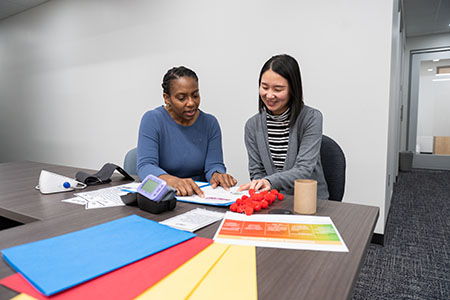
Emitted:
pixel 253 229
pixel 231 227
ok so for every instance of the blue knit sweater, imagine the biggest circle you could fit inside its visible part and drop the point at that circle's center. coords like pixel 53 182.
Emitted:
pixel 165 147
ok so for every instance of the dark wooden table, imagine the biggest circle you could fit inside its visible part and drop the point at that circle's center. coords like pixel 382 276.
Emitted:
pixel 282 273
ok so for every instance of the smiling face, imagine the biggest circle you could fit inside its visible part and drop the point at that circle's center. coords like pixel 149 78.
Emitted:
pixel 184 99
pixel 274 92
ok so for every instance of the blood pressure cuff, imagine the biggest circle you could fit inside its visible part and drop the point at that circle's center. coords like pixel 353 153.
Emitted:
pixel 102 176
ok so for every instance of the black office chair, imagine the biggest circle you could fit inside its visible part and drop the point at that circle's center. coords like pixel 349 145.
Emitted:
pixel 333 165
pixel 129 163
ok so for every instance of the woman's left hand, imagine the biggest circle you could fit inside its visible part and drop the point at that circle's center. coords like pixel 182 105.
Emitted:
pixel 257 185
pixel 224 180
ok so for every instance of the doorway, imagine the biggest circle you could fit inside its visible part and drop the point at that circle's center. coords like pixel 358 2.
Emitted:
pixel 429 109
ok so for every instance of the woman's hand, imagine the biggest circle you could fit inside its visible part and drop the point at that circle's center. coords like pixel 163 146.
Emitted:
pixel 184 186
pixel 257 185
pixel 224 180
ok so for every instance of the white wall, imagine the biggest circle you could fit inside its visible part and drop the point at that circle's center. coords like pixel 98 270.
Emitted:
pixel 76 76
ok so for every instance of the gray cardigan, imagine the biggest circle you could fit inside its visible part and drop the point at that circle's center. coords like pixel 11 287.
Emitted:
pixel 303 154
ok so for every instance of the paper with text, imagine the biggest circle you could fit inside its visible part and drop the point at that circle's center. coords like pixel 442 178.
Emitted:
pixel 218 196
pixel 194 219
pixel 281 231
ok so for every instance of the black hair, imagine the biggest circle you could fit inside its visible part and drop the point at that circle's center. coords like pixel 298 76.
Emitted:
pixel 175 73
pixel 287 67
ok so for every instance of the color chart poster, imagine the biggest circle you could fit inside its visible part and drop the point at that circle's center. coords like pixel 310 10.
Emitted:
pixel 281 231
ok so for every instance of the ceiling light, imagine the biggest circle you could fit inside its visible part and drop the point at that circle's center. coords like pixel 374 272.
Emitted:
pixel 437 59
pixel 430 70
pixel 442 79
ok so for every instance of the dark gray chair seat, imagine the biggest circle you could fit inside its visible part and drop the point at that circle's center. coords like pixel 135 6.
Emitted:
pixel 333 165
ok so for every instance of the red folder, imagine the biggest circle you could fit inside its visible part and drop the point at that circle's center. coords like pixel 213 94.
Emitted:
pixel 125 283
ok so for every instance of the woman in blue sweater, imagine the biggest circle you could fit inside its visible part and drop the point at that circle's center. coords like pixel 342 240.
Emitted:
pixel 178 142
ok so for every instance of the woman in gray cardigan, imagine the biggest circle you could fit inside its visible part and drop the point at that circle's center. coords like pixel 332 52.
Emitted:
pixel 283 140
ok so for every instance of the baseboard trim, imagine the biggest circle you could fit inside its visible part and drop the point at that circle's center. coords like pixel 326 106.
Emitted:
pixel 378 239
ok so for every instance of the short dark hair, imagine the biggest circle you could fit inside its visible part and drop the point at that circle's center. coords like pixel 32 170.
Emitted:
pixel 287 67
pixel 175 73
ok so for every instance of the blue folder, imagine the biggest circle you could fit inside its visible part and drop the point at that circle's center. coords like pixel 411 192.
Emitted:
pixel 58 263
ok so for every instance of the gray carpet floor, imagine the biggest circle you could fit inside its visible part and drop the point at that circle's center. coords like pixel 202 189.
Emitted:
pixel 414 262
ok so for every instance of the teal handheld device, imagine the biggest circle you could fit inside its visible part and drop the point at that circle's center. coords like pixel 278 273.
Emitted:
pixel 153 188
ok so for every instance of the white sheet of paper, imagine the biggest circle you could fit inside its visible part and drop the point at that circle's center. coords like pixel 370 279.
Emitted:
pixel 194 219
pixel 75 200
pixel 107 197
pixel 218 196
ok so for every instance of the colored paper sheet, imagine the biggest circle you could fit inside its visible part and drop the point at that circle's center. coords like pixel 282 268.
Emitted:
pixel 58 263
pixel 124 283
pixel 233 277
pixel 281 231
pixel 218 272
pixel 23 297
pixel 180 283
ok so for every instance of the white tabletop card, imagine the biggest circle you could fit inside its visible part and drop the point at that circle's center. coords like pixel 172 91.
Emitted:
pixel 280 231
pixel 194 219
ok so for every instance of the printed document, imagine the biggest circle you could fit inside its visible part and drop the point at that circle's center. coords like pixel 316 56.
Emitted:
pixel 194 219
pixel 280 231
pixel 106 197
pixel 218 196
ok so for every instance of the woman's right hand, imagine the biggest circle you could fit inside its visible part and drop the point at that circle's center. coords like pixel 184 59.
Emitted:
pixel 184 186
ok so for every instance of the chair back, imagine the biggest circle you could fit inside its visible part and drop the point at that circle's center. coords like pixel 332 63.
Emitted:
pixel 130 161
pixel 333 165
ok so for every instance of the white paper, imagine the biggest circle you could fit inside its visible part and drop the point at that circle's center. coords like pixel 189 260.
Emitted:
pixel 218 196
pixel 75 200
pixel 107 197
pixel 194 219
pixel 130 187
pixel 281 231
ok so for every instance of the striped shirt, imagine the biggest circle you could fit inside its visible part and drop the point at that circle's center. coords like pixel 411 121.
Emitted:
pixel 278 132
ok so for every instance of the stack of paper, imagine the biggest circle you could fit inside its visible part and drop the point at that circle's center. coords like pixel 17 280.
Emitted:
pixel 124 283
pixel 131 257
pixel 218 272
pixel 58 263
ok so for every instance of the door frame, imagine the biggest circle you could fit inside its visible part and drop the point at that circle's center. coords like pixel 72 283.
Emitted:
pixel 423 161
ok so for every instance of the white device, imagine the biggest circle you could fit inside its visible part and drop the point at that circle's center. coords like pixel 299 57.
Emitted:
pixel 54 183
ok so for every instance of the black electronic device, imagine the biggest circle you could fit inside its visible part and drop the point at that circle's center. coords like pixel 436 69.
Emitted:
pixel 165 203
